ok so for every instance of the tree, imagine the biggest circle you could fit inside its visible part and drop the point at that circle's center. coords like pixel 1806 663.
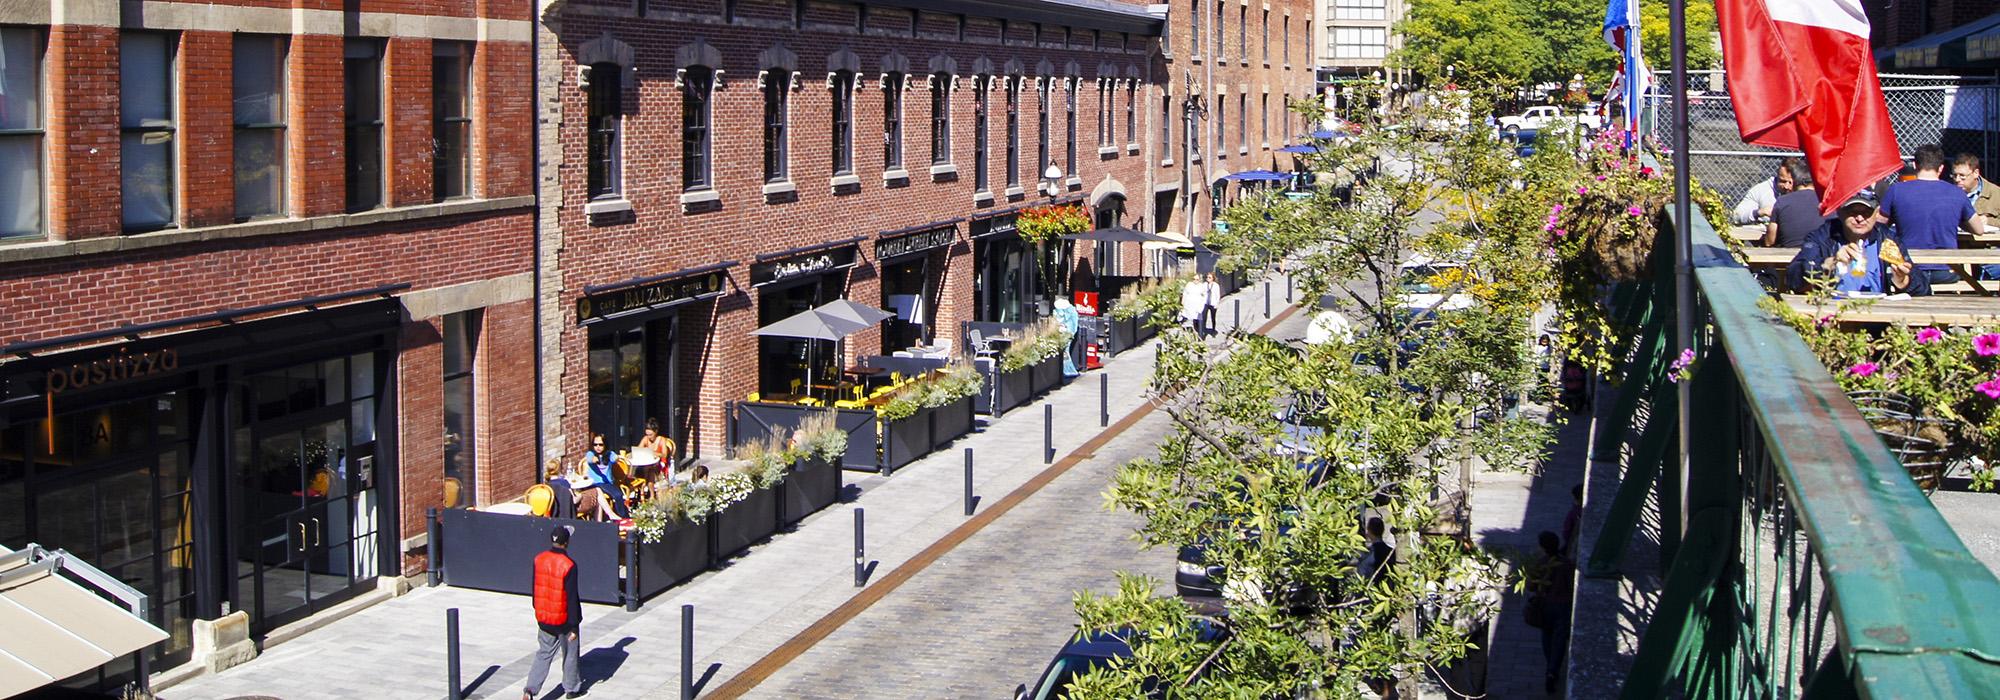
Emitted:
pixel 1531 42
pixel 1704 50
pixel 1280 454
pixel 1568 37
pixel 1482 40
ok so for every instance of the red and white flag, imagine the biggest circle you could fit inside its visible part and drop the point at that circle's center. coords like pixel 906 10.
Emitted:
pixel 1802 77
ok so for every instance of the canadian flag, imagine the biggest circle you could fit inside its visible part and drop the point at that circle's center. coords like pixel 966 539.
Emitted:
pixel 1801 77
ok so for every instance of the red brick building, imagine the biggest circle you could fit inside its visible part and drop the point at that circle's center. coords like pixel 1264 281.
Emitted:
pixel 713 166
pixel 265 290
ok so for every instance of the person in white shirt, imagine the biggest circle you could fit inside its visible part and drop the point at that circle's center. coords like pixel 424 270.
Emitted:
pixel 1214 301
pixel 1757 203
pixel 1194 302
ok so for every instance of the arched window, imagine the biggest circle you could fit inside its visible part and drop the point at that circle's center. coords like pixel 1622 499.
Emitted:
pixel 892 120
pixel 843 122
pixel 940 118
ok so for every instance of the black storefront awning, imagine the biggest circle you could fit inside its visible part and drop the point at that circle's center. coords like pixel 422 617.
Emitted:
pixel 648 295
pixel 816 259
pixel 915 240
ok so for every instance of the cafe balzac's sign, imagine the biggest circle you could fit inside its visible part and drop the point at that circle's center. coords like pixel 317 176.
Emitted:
pixel 915 242
pixel 803 264
pixel 680 289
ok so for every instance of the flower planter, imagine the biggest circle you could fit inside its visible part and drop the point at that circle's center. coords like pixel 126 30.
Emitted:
pixel 1046 375
pixel 491 551
pixel 812 485
pixel 1143 329
pixel 906 440
pixel 681 553
pixel 742 524
pixel 950 421
pixel 1012 389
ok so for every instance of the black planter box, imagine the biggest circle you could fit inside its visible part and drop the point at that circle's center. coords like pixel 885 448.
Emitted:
pixel 681 554
pixel 906 440
pixel 496 552
pixel 1046 374
pixel 742 524
pixel 950 421
pixel 1121 335
pixel 813 484
pixel 1143 329
pixel 1012 389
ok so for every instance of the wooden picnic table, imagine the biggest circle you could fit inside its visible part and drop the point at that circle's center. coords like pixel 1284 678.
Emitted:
pixel 1965 261
pixel 1752 233
pixel 1950 310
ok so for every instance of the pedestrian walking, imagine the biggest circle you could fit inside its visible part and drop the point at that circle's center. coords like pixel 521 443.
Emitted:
pixel 558 614
pixel 1214 305
pixel 1548 605
pixel 1194 302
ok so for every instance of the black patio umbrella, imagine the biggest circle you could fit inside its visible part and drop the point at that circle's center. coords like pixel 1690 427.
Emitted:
pixel 1119 234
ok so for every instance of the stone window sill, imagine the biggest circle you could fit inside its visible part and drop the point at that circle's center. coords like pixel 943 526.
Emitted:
pixel 1267 145
pixel 778 189
pixel 1015 193
pixel 1073 182
pixel 894 175
pixel 699 197
pixel 606 207
pixel 1167 163
pixel 1243 150
pixel 1107 150
pixel 943 171
pixel 846 180
pixel 42 248
pixel 1132 149
pixel 982 197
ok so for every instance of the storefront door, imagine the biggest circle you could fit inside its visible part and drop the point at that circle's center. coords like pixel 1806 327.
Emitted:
pixel 305 511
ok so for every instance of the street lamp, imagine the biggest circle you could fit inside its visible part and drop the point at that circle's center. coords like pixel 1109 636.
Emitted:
pixel 1052 179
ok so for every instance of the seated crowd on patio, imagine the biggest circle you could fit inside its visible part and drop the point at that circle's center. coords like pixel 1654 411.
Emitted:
pixel 1876 241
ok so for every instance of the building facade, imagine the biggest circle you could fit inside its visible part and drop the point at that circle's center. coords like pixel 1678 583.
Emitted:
pixel 1353 38
pixel 265 276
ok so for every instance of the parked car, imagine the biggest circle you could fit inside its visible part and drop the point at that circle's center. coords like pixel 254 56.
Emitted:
pixel 1538 118
pixel 1419 276
pixel 1084 652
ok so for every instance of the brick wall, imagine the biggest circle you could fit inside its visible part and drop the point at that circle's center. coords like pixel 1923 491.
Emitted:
pixel 420 429
pixel 504 389
pixel 207 136
pixel 83 131
pixel 407 109
pixel 317 166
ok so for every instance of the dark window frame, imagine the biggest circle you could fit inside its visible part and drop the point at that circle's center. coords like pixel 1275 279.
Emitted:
pixel 37 132
pixel 243 130
pixel 1069 103
pixel 1131 112
pixel 982 87
pixel 941 119
pixel 442 126
pixel 1043 153
pixel 169 131
pixel 604 126
pixel 697 127
pixel 777 125
pixel 359 127
pixel 461 331
pixel 892 119
pixel 843 122
pixel 1014 131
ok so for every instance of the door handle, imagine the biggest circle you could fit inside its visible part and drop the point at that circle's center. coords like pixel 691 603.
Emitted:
pixel 302 536
pixel 319 533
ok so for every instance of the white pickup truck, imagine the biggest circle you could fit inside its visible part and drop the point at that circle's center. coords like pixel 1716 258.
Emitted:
pixel 1538 118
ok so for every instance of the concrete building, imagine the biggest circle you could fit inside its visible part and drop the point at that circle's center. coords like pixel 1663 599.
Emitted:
pixel 265 271
pixel 1352 40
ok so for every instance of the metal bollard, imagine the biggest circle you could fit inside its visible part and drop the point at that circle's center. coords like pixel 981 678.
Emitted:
pixel 453 690
pixel 1237 323
pixel 860 552
pixel 687 652
pixel 1104 399
pixel 968 482
pixel 433 549
pixel 1288 288
pixel 1048 433
pixel 1267 298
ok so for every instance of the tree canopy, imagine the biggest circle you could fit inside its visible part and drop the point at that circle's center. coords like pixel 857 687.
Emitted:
pixel 1529 42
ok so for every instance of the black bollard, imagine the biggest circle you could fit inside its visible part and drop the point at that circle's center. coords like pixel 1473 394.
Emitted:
pixel 1288 288
pixel 433 549
pixel 453 690
pixel 687 652
pixel 1237 324
pixel 1267 298
pixel 968 482
pixel 860 553
pixel 1104 399
pixel 1048 433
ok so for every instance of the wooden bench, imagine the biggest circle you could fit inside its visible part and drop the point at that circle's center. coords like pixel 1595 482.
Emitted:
pixel 1919 311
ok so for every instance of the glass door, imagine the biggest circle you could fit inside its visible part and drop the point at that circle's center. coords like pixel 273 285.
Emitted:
pixel 304 513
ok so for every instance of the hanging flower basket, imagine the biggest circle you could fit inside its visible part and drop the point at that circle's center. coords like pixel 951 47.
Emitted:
pixel 1605 228
pixel 1051 222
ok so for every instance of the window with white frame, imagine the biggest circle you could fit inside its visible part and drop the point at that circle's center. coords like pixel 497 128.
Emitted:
pixel 1360 42
pixel 843 122
pixel 1361 9
pixel 604 155
pixel 146 84
pixel 20 132
pixel 697 113
pixel 940 118
pixel 892 120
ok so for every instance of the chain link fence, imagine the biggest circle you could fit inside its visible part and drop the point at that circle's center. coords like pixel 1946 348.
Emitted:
pixel 1959 114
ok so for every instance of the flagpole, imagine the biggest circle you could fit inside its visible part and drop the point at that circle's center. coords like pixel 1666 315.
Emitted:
pixel 1683 242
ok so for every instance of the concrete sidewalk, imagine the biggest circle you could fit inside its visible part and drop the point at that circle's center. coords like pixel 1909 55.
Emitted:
pixel 742 611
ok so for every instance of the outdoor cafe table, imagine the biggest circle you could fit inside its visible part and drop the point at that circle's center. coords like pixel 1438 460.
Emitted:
pixel 1752 233
pixel 1956 310
pixel 1965 261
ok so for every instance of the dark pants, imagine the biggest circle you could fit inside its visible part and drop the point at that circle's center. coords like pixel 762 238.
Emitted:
pixel 547 647
pixel 1555 642
pixel 1940 276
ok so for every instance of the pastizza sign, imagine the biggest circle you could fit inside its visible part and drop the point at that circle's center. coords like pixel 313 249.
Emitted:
pixel 119 367
pixel 915 242
pixel 658 294
pixel 801 265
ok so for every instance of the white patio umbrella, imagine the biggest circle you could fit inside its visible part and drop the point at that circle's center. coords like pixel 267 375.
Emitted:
pixel 812 324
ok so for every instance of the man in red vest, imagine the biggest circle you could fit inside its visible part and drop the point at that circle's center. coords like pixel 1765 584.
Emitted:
pixel 558 612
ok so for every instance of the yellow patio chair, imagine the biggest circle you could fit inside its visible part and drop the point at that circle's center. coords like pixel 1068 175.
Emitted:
pixel 755 396
pixel 856 403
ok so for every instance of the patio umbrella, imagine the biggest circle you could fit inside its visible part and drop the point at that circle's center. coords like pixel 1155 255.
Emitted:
pixel 812 324
pixel 859 313
pixel 1119 234
pixel 1299 148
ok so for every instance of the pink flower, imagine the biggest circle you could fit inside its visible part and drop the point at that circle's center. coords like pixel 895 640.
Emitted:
pixel 1557 209
pixel 1987 344
pixel 1863 369
pixel 1823 321
pixel 1645 172
pixel 1585 189
pixel 1562 232
pixel 1929 335
pixel 1635 211
pixel 1990 387
pixel 1600 178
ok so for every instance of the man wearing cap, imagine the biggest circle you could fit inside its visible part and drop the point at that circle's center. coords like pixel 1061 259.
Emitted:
pixel 558 612
pixel 1858 254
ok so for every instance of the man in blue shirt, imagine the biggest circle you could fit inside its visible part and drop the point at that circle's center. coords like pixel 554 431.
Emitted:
pixel 1928 212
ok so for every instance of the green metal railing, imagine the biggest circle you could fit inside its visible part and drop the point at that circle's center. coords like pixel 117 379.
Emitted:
pixel 1809 563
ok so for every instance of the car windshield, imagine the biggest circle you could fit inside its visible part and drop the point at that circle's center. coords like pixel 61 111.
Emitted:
pixel 1063 672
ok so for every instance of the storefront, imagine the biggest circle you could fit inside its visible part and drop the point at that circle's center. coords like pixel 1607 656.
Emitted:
pixel 788 283
pixel 911 263
pixel 250 466
pixel 1004 271
pixel 636 360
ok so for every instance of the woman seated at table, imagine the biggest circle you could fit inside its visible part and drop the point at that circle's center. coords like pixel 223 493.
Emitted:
pixel 601 467
pixel 659 445
pixel 1857 253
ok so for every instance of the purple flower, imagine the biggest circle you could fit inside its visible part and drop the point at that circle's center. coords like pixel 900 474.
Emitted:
pixel 1585 189
pixel 1929 335
pixel 1863 369
pixel 1635 211
pixel 1562 232
pixel 1600 178
pixel 1823 321
pixel 1990 387
pixel 1557 209
pixel 1987 344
